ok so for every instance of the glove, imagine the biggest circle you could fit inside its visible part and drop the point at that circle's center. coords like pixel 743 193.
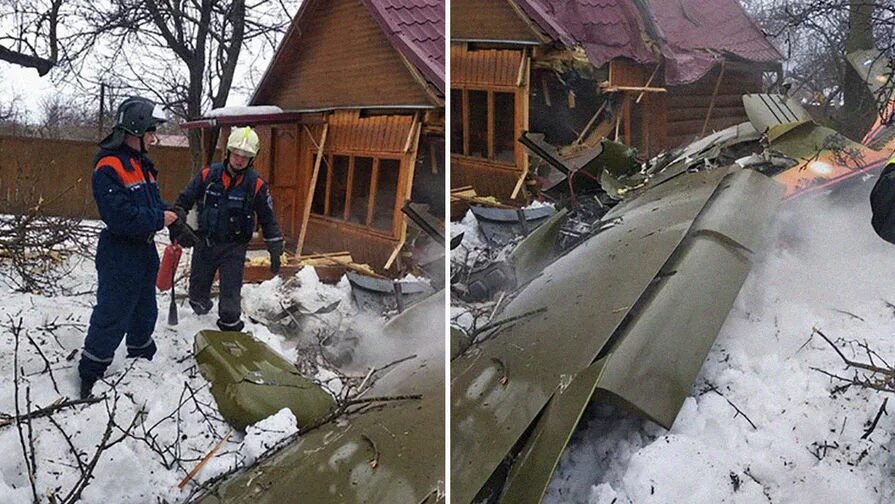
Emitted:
pixel 276 250
pixel 181 231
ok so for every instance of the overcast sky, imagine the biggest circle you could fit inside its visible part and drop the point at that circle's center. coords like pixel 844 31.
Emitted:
pixel 31 89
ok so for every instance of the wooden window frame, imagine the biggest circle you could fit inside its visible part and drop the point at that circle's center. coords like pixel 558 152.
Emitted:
pixel 464 118
pixel 367 227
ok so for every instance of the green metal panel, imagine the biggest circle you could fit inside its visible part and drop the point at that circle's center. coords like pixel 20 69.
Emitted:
pixel 768 110
pixel 561 321
pixel 534 466
pixel 250 382
pixel 660 352
pixel 805 140
pixel 459 342
pixel 533 253
pixel 391 452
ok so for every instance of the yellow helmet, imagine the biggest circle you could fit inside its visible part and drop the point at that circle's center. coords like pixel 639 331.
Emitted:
pixel 244 140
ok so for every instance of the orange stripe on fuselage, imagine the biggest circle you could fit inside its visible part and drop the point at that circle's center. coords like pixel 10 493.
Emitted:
pixel 128 178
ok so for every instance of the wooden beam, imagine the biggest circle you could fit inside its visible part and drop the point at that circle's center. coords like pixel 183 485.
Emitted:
pixel 410 160
pixel 306 214
pixel 708 115
pixel 633 89
pixel 591 122
pixel 520 77
pixel 648 83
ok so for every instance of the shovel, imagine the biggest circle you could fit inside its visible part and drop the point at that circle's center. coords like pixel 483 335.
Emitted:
pixel 172 309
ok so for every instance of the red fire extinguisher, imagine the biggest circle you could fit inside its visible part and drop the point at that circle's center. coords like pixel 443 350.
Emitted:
pixel 166 271
pixel 165 278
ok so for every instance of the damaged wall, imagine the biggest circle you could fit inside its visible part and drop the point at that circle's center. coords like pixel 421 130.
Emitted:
pixel 688 105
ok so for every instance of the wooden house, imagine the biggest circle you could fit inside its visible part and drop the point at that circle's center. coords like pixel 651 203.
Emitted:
pixel 653 74
pixel 356 124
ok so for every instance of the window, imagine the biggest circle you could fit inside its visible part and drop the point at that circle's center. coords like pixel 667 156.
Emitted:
pixel 477 112
pixel 318 205
pixel 359 190
pixel 338 186
pixel 457 121
pixel 483 124
pixel 386 194
pixel 504 127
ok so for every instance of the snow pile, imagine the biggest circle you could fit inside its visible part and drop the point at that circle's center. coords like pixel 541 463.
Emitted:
pixel 265 434
pixel 825 269
pixel 471 249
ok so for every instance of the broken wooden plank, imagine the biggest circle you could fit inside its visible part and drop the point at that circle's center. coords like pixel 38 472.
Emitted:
pixel 306 213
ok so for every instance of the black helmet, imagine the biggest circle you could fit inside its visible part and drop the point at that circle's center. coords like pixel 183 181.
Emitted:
pixel 138 115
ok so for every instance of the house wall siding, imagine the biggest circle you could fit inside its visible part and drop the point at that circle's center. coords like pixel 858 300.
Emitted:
pixel 339 57
pixel 488 20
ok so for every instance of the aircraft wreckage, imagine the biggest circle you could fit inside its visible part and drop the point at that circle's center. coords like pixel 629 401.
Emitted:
pixel 386 446
pixel 619 295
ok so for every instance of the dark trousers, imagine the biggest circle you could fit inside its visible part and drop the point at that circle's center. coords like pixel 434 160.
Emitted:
pixel 229 260
pixel 125 303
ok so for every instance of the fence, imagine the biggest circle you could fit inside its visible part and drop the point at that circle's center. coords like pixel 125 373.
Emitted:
pixel 58 173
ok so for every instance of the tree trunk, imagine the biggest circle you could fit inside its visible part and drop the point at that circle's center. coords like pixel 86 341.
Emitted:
pixel 860 106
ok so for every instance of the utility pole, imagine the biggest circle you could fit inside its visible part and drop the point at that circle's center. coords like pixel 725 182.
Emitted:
pixel 102 108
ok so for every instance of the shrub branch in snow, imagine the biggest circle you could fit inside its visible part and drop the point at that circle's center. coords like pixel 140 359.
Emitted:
pixel 35 247
pixel 23 422
pixel 870 375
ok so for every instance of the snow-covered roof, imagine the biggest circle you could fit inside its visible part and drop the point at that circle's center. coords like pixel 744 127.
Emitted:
pixel 244 111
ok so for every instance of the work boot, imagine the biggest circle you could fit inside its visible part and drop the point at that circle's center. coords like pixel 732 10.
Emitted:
pixel 200 307
pixel 237 326
pixel 87 387
pixel 143 353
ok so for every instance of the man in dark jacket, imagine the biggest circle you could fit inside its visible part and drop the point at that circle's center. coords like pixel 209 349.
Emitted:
pixel 229 196
pixel 127 195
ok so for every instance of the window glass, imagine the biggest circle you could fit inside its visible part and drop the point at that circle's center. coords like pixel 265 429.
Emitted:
pixel 386 194
pixel 478 123
pixel 317 205
pixel 457 121
pixel 338 187
pixel 360 190
pixel 504 127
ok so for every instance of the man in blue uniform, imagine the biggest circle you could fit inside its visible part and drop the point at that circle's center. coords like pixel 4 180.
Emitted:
pixel 229 196
pixel 127 195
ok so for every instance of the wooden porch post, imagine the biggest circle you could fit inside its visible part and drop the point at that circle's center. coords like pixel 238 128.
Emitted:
pixel 306 213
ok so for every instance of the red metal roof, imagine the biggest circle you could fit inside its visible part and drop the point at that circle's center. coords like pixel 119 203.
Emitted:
pixel 698 33
pixel 605 29
pixel 692 35
pixel 416 29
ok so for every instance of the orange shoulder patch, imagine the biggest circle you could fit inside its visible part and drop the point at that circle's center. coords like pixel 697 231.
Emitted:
pixel 128 178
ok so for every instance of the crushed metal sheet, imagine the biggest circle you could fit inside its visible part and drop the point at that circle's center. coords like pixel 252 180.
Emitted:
pixel 251 382
pixel 380 295
pixel 501 225
pixel 580 291
pixel 691 223
pixel 768 110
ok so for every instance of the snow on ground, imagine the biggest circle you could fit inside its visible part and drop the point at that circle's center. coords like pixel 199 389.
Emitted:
pixel 826 269
pixel 149 393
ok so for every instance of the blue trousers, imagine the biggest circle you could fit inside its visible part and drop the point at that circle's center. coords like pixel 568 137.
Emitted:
pixel 228 259
pixel 125 303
